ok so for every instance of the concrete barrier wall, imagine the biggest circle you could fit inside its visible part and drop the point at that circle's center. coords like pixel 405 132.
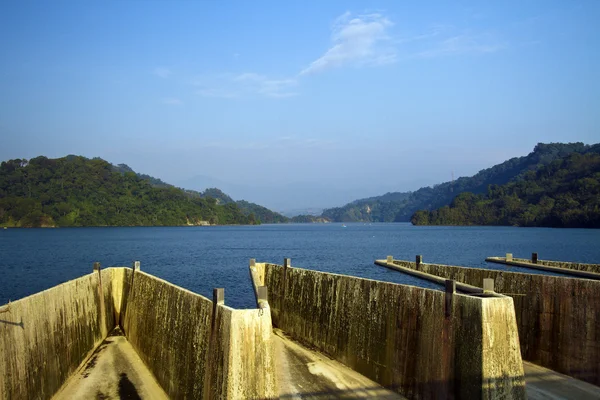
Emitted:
pixel 400 336
pixel 558 318
pixel 595 268
pixel 194 348
pixel 46 336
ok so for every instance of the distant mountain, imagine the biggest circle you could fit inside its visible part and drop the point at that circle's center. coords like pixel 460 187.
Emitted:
pixel 564 193
pixel 76 191
pixel 255 211
pixel 289 198
pixel 400 207
pixel 265 215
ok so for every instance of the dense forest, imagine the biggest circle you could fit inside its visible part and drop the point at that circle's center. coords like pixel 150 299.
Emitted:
pixel 564 193
pixel 399 207
pixel 76 191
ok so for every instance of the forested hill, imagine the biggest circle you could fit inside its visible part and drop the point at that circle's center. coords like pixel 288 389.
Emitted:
pixel 399 207
pixel 262 214
pixel 76 191
pixel 565 193
pixel 265 215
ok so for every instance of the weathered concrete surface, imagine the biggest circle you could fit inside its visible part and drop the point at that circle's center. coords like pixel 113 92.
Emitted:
pixel 595 268
pixel 545 384
pixel 558 318
pixel 169 327
pixel 307 374
pixel 193 351
pixel 556 269
pixel 114 371
pixel 44 337
pixel 399 336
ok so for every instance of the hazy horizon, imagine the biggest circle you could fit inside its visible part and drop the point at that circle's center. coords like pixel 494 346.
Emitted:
pixel 334 101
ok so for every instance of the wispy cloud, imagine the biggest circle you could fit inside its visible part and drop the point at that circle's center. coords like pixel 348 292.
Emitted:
pixel 267 87
pixel 172 101
pixel 359 40
pixel 247 84
pixel 463 44
pixel 162 72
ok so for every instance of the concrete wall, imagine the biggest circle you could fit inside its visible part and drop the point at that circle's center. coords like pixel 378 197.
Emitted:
pixel 45 337
pixel 398 335
pixel 194 348
pixel 595 268
pixel 558 318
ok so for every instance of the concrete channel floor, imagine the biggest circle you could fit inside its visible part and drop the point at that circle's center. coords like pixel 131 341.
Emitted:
pixel 545 384
pixel 113 371
pixel 306 374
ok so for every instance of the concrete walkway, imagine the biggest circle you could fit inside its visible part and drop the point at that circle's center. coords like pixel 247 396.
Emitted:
pixel 114 371
pixel 306 374
pixel 545 384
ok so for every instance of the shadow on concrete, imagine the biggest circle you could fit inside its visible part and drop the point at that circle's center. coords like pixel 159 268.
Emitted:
pixel 13 323
pixel 127 390
pixel 540 385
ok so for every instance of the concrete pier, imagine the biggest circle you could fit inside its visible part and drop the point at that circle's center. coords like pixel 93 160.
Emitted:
pixel 557 317
pixel 193 347
pixel 579 270
pixel 421 343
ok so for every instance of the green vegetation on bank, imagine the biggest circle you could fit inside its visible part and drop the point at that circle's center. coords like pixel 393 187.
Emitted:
pixel 76 191
pixel 564 193
pixel 399 207
pixel 265 215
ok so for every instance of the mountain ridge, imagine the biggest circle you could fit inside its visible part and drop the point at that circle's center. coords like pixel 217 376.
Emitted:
pixel 400 206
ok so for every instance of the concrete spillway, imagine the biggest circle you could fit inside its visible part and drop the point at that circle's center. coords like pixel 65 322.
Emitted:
pixel 122 333
pixel 557 316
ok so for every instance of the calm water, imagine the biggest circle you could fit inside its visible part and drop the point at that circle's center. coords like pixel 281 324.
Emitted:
pixel 201 258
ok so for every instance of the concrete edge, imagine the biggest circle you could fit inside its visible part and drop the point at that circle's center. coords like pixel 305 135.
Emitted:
pixel 353 276
pixel 12 302
pixel 467 290
pixel 570 273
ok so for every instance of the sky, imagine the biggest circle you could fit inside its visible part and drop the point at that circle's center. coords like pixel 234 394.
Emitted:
pixel 336 100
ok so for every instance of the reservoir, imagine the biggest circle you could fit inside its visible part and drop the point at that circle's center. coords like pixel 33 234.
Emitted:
pixel 202 258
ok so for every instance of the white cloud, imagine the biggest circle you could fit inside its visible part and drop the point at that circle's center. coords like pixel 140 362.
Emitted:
pixel 162 72
pixel 172 101
pixel 360 40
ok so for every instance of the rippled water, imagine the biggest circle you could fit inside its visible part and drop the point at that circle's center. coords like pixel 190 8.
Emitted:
pixel 202 258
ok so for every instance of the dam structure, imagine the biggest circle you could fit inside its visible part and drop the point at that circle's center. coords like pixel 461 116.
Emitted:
pixel 122 333
pixel 557 315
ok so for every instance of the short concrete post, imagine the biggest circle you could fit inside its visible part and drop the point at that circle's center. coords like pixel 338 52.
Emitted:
pixel 263 294
pixel 287 262
pixel 218 296
pixel 534 258
pixel 418 260
pixel 390 259
pixel 488 285
pixel 450 290
pixel 509 257
pixel 252 262
pixel 96 266
pixel 136 266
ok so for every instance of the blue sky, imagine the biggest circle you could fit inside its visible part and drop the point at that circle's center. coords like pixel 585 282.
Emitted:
pixel 356 97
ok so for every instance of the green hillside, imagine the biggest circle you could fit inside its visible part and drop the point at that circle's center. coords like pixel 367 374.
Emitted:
pixel 399 207
pixel 263 214
pixel 76 191
pixel 565 193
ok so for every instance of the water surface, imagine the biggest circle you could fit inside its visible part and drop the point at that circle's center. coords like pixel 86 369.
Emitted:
pixel 202 258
